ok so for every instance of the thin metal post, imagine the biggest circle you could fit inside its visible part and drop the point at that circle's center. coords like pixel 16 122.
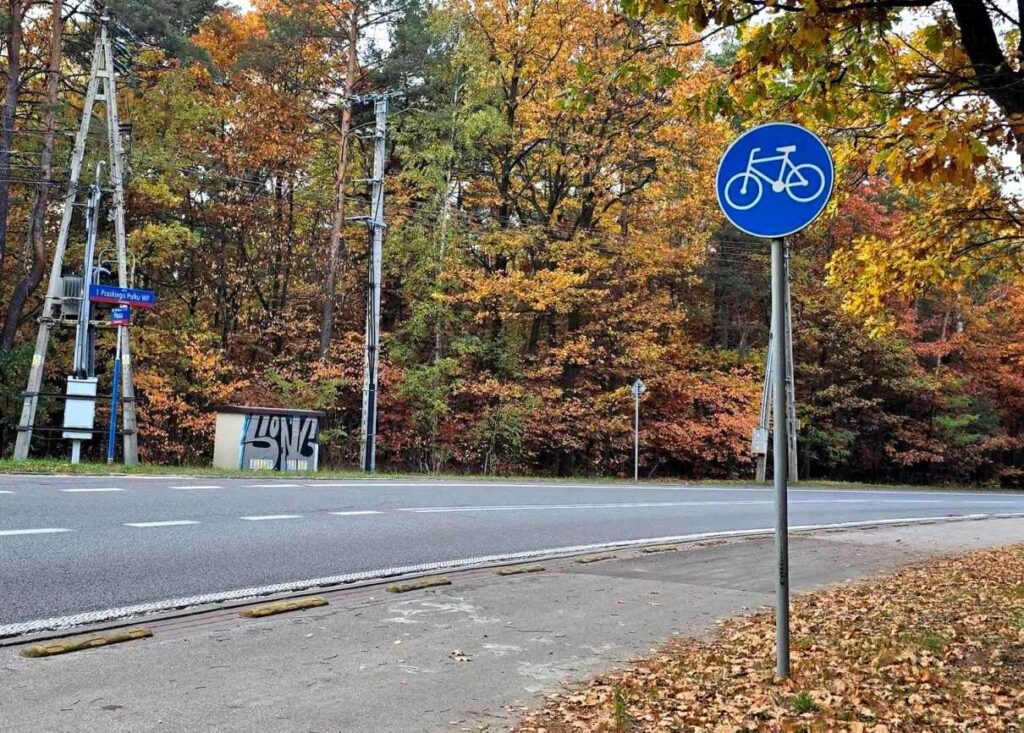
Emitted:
pixel 377 226
pixel 109 75
pixel 83 362
pixel 53 287
pixel 636 436
pixel 114 394
pixel 781 463
pixel 792 424
pixel 765 418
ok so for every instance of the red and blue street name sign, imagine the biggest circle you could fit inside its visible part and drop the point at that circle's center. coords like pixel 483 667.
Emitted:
pixel 122 296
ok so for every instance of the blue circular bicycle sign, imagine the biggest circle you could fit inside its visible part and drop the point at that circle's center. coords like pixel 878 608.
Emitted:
pixel 774 180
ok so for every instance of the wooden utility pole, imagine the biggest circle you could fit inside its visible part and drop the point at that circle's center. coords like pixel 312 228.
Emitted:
pixel 102 87
pixel 334 247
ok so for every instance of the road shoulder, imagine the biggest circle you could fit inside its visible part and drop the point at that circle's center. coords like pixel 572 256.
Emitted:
pixel 467 656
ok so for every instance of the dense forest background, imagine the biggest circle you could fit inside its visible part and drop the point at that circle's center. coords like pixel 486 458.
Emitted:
pixel 552 231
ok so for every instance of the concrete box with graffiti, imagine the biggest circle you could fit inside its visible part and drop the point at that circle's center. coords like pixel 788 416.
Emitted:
pixel 255 438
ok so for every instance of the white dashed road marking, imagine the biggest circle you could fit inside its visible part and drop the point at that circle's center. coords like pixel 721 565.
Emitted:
pixel 354 513
pixel 271 516
pixel 41 530
pixel 6 492
pixel 190 488
pixel 274 486
pixel 85 491
pixel 170 523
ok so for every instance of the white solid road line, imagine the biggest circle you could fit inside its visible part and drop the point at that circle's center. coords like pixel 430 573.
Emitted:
pixel 171 523
pixel 191 488
pixel 528 507
pixel 42 530
pixel 271 516
pixel 88 491
pixel 355 513
pixel 652 504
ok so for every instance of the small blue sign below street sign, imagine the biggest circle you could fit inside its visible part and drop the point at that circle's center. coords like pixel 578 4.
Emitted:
pixel 122 296
pixel 774 180
pixel 120 316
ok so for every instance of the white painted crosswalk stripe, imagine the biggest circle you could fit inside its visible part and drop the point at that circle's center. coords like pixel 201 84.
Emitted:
pixel 271 516
pixel 41 530
pixel 168 523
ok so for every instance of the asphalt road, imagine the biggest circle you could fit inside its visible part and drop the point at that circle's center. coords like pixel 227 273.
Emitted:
pixel 70 545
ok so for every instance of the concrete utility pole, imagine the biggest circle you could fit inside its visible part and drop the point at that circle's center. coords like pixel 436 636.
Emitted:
pixel 377 226
pixel 759 443
pixel 102 87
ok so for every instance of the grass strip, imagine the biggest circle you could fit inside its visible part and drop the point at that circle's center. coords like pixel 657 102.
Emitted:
pixel 658 548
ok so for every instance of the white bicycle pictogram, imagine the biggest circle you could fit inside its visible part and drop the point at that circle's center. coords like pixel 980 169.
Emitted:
pixel 804 177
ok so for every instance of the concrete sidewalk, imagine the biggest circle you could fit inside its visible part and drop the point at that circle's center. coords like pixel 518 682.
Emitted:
pixel 460 657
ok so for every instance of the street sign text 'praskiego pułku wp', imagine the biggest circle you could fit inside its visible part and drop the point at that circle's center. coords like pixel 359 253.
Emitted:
pixel 774 180
pixel 122 296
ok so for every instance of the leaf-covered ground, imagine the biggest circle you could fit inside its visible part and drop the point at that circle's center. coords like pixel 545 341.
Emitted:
pixel 936 647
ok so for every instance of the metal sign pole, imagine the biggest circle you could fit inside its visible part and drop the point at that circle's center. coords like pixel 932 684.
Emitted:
pixel 773 181
pixel 781 459
pixel 638 390
pixel 636 436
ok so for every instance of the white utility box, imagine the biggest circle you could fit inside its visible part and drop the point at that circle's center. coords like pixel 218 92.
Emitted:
pixel 80 414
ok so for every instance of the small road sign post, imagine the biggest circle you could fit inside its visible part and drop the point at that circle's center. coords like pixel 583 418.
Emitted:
pixel 773 181
pixel 638 390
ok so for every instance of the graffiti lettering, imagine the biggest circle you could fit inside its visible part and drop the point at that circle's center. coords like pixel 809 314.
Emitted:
pixel 280 442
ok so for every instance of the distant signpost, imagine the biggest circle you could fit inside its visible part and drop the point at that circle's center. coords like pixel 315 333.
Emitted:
pixel 773 181
pixel 638 390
